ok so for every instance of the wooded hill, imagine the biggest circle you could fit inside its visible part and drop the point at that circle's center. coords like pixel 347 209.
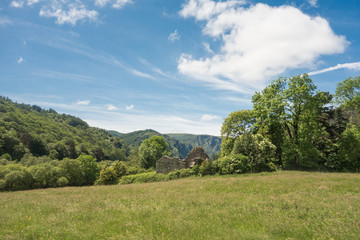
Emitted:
pixel 180 144
pixel 29 130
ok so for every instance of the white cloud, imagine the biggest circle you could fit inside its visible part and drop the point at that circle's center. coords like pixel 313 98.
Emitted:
pixel 352 66
pixel 31 2
pixel 5 21
pixel 114 3
pixel 83 102
pixel 72 16
pixel 257 43
pixel 174 36
pixel 21 60
pixel 209 117
pixel 313 3
pixel 207 48
pixel 17 4
pixel 129 107
pixel 111 107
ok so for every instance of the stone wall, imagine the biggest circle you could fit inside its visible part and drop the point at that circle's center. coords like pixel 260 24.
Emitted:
pixel 167 164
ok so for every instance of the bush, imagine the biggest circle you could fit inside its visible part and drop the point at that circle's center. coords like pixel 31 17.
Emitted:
pixel 107 176
pixel 18 180
pixel 2 185
pixel 89 167
pixel 46 175
pixel 234 163
pixel 182 173
pixel 62 182
pixel 143 178
pixel 72 171
pixel 207 168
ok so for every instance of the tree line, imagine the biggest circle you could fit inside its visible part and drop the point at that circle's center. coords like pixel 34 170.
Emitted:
pixel 292 125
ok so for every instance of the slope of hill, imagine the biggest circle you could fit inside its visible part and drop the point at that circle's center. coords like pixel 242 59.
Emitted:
pixel 27 130
pixel 180 144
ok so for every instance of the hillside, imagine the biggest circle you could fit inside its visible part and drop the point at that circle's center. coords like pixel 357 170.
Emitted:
pixel 29 131
pixel 211 144
pixel 279 205
pixel 180 144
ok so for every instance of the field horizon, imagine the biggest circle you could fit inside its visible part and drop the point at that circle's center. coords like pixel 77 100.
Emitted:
pixel 279 205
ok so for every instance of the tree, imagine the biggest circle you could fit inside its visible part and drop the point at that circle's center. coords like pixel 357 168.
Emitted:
pixel 89 167
pixel 349 149
pixel 73 171
pixel 347 93
pixel 151 150
pixel 287 111
pixel 237 123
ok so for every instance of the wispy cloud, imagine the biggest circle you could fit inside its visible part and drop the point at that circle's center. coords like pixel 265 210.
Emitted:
pixel 72 16
pixel 114 3
pixel 70 11
pixel 20 60
pixel 352 66
pixel 17 4
pixel 174 36
pixel 4 21
pixel 83 102
pixel 258 42
pixel 209 117
pixel 313 3
pixel 128 108
pixel 111 107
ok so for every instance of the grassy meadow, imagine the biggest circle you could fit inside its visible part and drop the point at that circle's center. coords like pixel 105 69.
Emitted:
pixel 279 205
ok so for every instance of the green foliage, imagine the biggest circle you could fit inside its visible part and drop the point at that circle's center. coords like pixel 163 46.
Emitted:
pixel 236 124
pixel 349 146
pixel 288 112
pixel 259 150
pixel 62 182
pixel 89 167
pixel 107 176
pixel 233 163
pixel 143 178
pixel 347 93
pixel 73 172
pixel 151 150
pixel 207 168
pixel 182 173
pixel 19 179
pixel 45 175
pixel 6 156
pixel 26 129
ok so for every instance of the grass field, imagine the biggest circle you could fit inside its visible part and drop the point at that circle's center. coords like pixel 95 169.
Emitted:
pixel 280 205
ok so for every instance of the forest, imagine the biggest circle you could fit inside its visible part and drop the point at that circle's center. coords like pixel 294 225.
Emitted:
pixel 292 126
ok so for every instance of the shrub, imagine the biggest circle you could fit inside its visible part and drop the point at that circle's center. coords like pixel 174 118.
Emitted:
pixel 143 178
pixel 107 176
pixel 207 168
pixel 2 185
pixel 62 182
pixel 234 163
pixel 89 167
pixel 182 173
pixel 18 180
pixel 72 171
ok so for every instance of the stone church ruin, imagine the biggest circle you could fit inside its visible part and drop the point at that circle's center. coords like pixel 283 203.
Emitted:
pixel 168 164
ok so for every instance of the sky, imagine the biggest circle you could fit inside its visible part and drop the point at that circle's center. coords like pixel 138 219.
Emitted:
pixel 178 66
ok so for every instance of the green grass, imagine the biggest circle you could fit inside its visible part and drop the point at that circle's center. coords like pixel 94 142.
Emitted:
pixel 280 205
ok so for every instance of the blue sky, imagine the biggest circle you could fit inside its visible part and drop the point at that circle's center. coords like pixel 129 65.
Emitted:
pixel 174 66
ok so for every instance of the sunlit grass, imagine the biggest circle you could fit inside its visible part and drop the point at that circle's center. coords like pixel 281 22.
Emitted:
pixel 281 205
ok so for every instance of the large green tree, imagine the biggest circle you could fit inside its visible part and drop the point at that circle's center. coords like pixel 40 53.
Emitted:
pixel 151 150
pixel 236 124
pixel 287 111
